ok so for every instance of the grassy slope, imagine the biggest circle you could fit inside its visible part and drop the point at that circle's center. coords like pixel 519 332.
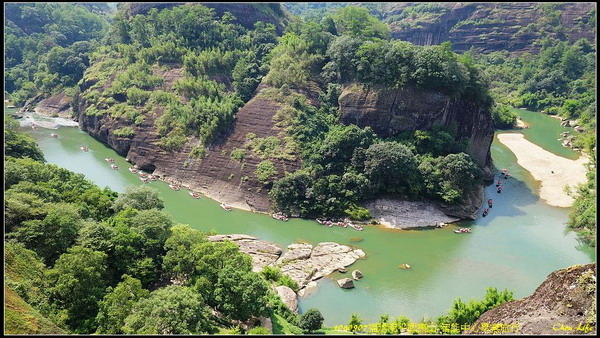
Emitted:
pixel 21 267
pixel 21 318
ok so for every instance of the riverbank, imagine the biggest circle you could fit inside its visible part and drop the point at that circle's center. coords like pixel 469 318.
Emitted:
pixel 554 172
pixel 400 214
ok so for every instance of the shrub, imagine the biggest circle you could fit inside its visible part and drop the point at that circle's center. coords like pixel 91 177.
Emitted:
pixel 124 132
pixel 265 171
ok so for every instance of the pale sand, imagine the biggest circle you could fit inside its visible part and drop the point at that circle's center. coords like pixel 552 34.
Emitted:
pixel 541 163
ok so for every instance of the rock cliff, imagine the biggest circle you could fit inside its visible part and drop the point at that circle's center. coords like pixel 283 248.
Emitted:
pixel 390 111
pixel 565 303
pixel 489 27
pixel 217 175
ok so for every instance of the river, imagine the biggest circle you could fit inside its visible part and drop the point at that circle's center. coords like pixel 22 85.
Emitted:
pixel 515 247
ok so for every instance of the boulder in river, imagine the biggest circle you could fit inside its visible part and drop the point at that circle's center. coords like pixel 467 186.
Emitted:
pixel 356 274
pixel 346 283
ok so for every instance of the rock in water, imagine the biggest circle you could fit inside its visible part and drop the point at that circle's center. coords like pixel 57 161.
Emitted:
pixel 346 283
pixel 343 270
pixel 356 274
pixel 288 296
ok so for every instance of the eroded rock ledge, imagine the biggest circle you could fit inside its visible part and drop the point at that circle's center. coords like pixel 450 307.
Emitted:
pixel 400 214
pixel 303 262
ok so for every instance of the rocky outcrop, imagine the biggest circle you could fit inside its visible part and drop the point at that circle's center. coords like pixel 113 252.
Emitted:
pixel 390 111
pixel 57 105
pixel 356 274
pixel 262 253
pixel 346 283
pixel 489 27
pixel 565 303
pixel 302 262
pixel 288 296
pixel 217 175
pixel 401 214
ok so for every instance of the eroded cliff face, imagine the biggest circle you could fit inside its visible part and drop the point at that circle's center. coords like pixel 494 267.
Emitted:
pixel 390 111
pixel 565 303
pixel 489 27
pixel 217 175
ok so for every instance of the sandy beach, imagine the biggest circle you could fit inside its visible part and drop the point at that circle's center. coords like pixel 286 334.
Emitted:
pixel 554 172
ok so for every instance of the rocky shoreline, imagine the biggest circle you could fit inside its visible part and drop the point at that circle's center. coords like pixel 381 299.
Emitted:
pixel 302 262
pixel 401 214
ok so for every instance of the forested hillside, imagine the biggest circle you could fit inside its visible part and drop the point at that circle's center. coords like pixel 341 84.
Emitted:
pixel 47 46
pixel 186 88
pixel 80 259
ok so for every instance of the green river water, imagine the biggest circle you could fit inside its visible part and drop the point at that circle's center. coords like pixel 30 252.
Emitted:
pixel 515 247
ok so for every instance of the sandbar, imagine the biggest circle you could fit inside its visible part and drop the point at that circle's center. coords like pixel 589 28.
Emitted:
pixel 553 171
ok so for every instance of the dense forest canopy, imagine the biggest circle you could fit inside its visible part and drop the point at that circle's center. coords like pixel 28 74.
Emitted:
pixel 94 261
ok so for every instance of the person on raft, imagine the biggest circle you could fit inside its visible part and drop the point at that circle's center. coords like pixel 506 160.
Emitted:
pixel 490 202
pixel 499 189
pixel 498 183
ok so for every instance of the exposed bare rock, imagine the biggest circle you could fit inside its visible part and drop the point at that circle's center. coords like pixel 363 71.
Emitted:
pixel 346 283
pixel 566 299
pixel 325 258
pixel 308 290
pixel 57 105
pixel 296 252
pixel 302 262
pixel 288 296
pixel 391 111
pixel 488 27
pixel 262 253
pixel 356 274
pixel 400 214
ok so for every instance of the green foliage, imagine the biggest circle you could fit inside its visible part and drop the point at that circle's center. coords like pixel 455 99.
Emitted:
pixel 355 323
pixel 311 320
pixel 392 168
pixel 271 273
pixel 265 171
pixel 75 285
pixel 238 154
pixel 198 152
pixel 117 304
pixel 124 132
pixel 138 197
pixel 240 294
pixel 286 280
pixel 358 213
pixel 467 313
pixel 18 144
pixel 259 330
pixel 48 46
pixel 504 118
pixel 357 22
pixel 582 216
pixel 52 235
pixel 170 310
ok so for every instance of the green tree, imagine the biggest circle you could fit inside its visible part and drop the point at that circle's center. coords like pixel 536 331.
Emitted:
pixel 19 144
pixel 357 22
pixel 117 304
pixel 53 235
pixel 355 323
pixel 76 284
pixel 392 167
pixel 467 313
pixel 141 198
pixel 171 310
pixel 311 320
pixel 241 295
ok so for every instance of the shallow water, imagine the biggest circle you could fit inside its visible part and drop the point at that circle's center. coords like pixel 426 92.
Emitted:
pixel 515 247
